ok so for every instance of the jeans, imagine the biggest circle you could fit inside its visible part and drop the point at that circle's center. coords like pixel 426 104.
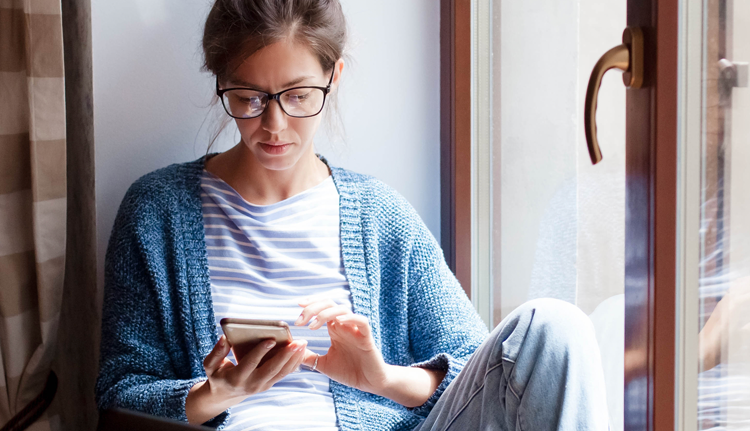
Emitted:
pixel 538 370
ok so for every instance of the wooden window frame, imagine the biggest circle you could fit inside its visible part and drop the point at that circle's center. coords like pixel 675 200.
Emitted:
pixel 651 206
pixel 455 137
pixel 651 198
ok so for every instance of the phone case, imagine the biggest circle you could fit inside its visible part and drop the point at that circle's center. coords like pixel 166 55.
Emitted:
pixel 245 334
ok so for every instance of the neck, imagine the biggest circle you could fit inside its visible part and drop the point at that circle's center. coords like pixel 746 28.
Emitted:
pixel 239 168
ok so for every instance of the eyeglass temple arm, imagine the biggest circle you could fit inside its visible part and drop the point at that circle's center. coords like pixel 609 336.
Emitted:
pixel 330 81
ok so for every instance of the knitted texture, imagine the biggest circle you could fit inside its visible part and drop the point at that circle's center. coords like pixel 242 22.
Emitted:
pixel 158 323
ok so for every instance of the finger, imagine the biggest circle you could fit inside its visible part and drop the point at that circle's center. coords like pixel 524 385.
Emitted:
pixel 291 364
pixel 273 366
pixel 215 359
pixel 308 359
pixel 300 360
pixel 362 323
pixel 305 302
pixel 329 313
pixel 313 309
pixel 345 333
pixel 250 362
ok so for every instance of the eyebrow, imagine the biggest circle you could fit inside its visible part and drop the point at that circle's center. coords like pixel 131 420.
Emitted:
pixel 258 88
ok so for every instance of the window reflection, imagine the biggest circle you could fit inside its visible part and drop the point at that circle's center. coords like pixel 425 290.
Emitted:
pixel 724 271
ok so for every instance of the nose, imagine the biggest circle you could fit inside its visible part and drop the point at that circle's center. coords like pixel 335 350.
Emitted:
pixel 273 119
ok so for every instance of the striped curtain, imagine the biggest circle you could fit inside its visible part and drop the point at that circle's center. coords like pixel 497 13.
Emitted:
pixel 32 198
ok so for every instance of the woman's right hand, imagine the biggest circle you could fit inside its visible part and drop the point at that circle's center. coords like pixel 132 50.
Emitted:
pixel 229 384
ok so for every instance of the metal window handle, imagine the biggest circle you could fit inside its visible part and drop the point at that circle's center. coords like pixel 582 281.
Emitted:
pixel 627 57
pixel 731 75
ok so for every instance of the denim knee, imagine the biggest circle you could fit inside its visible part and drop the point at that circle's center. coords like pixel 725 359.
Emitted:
pixel 550 324
pixel 559 318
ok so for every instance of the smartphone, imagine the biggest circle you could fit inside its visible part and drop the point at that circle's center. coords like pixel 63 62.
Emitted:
pixel 245 334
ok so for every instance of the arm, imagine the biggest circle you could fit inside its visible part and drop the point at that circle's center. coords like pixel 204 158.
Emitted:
pixel 444 328
pixel 411 386
pixel 144 365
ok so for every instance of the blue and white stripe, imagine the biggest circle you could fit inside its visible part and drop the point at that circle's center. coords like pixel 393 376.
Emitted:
pixel 263 260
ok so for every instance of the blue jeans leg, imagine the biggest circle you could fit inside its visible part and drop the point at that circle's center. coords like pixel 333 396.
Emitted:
pixel 539 370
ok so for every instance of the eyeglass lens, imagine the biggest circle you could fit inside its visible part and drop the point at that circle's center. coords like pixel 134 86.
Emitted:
pixel 296 102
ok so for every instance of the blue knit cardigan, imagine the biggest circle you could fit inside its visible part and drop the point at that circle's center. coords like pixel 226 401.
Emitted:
pixel 158 322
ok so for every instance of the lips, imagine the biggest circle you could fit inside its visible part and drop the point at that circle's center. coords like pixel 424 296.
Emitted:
pixel 275 147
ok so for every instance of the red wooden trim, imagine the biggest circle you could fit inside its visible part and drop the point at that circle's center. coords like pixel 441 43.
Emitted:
pixel 665 214
pixel 455 136
pixel 651 167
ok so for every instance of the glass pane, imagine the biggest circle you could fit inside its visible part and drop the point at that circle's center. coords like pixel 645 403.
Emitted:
pixel 724 285
pixel 558 221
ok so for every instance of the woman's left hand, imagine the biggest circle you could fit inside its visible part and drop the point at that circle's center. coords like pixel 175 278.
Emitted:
pixel 353 359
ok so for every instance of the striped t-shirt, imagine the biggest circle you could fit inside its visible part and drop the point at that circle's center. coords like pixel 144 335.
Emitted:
pixel 264 259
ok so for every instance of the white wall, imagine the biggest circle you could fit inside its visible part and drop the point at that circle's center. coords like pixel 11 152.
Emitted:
pixel 151 100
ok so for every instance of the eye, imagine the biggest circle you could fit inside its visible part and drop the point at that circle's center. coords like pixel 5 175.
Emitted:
pixel 298 96
pixel 252 102
pixel 245 97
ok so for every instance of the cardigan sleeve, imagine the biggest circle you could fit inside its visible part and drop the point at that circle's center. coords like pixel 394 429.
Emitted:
pixel 444 328
pixel 141 363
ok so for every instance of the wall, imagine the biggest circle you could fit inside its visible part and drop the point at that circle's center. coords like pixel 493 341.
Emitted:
pixel 151 101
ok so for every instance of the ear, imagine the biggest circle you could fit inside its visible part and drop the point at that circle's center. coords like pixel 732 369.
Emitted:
pixel 338 71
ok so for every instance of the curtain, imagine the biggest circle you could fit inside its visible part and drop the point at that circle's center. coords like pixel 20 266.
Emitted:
pixel 77 362
pixel 32 198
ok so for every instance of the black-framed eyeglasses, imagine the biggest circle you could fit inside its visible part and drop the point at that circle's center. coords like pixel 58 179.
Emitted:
pixel 297 102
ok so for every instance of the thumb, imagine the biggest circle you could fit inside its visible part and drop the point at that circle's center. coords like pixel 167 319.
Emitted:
pixel 216 357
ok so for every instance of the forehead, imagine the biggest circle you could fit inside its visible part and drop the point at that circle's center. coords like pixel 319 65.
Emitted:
pixel 277 64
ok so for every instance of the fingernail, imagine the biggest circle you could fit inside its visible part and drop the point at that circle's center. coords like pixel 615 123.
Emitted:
pixel 222 341
pixel 313 321
pixel 269 344
pixel 299 320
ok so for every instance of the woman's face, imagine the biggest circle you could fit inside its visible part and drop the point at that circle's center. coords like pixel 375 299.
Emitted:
pixel 277 140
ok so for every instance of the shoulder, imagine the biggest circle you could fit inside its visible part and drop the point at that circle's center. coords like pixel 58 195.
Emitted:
pixel 166 184
pixel 374 196
pixel 384 215
pixel 166 190
pixel 162 183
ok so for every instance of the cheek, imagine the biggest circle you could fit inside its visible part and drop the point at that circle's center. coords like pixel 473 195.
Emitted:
pixel 306 128
pixel 247 127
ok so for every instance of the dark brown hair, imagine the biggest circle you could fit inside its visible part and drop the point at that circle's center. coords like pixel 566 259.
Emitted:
pixel 235 29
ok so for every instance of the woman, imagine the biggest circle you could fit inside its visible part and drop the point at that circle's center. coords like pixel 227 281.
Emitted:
pixel 269 230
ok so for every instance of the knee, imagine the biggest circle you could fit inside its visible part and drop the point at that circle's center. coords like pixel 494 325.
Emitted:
pixel 554 324
pixel 555 313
